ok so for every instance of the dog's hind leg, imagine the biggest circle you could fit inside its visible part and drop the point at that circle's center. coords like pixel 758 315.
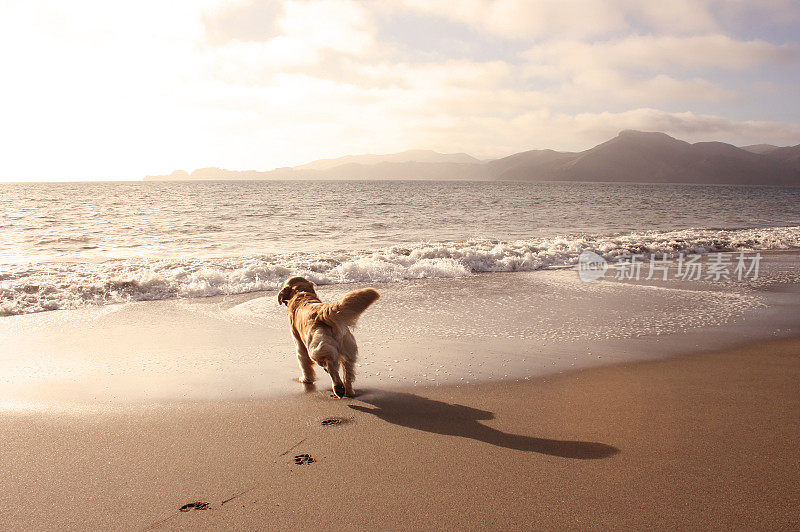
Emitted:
pixel 349 376
pixel 347 356
pixel 307 374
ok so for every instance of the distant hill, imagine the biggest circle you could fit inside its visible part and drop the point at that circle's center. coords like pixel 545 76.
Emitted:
pixel 410 156
pixel 760 148
pixel 631 156
pixel 383 170
pixel 411 164
pixel 519 165
pixel 788 154
pixel 635 156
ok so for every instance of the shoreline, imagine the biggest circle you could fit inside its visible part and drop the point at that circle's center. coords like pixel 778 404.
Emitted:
pixel 703 438
pixel 498 327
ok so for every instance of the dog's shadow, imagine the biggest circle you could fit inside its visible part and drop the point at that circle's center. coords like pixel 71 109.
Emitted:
pixel 420 413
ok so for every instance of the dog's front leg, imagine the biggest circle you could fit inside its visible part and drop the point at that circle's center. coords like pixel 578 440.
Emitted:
pixel 336 381
pixel 332 369
pixel 330 363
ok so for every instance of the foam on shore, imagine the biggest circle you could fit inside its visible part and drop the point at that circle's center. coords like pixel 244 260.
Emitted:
pixel 37 287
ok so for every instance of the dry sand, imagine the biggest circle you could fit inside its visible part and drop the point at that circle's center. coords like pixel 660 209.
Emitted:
pixel 704 441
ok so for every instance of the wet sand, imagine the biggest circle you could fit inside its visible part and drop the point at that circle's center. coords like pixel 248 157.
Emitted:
pixel 703 441
pixel 427 332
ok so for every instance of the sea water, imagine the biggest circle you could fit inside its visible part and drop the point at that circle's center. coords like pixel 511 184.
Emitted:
pixel 71 245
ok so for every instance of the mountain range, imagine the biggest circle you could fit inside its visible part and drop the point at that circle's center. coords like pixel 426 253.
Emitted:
pixel 631 156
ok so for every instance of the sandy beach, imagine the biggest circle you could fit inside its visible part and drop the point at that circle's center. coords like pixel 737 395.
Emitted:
pixel 510 401
pixel 705 441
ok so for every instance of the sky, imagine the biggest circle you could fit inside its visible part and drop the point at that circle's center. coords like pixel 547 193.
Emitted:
pixel 118 90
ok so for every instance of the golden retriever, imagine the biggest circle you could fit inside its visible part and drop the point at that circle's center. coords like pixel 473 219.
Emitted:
pixel 322 331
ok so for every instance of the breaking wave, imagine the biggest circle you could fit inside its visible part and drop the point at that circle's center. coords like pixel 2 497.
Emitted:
pixel 50 286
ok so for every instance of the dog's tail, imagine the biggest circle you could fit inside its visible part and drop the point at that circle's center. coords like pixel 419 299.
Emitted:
pixel 350 307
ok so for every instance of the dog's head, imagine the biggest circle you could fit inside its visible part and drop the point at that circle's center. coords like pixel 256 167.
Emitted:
pixel 294 286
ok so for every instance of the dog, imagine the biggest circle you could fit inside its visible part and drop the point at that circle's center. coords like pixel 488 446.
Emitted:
pixel 322 333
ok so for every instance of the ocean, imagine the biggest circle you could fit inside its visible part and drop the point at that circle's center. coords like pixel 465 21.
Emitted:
pixel 71 245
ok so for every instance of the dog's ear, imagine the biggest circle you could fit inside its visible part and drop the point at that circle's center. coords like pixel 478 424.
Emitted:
pixel 285 295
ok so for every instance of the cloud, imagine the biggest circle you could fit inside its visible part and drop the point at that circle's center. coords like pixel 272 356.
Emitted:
pixel 251 43
pixel 684 125
pixel 433 75
pixel 661 53
pixel 524 19
pixel 757 13
pixel 244 21
pixel 646 68
pixel 675 16
pixel 597 88
pixel 339 25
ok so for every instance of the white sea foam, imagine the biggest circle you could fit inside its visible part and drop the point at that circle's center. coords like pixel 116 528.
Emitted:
pixel 50 286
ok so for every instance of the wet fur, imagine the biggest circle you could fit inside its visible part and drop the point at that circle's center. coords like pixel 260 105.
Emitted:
pixel 322 333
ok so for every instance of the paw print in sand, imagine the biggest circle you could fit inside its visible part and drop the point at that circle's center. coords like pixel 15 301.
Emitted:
pixel 195 506
pixel 302 459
